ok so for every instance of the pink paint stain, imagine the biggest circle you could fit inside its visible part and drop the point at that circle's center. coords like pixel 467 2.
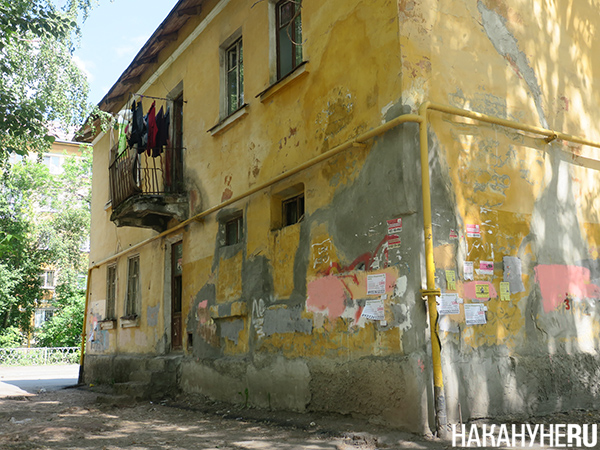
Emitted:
pixel 557 281
pixel 327 293
pixel 471 292
pixel 201 311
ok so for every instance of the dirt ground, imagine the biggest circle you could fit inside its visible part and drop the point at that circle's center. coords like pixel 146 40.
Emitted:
pixel 80 418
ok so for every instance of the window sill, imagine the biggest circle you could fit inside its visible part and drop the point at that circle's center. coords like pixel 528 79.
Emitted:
pixel 229 121
pixel 108 324
pixel 130 322
pixel 298 73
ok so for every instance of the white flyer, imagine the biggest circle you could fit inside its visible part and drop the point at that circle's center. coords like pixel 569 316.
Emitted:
pixel 475 314
pixel 468 270
pixel 376 284
pixel 373 310
pixel 448 304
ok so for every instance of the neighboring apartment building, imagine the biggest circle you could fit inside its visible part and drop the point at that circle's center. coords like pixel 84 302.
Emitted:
pixel 255 271
pixel 53 158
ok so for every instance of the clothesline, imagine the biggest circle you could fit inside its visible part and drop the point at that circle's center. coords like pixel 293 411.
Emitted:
pixel 155 98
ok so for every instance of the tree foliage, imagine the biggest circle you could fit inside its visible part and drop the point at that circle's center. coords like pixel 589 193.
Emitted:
pixel 44 222
pixel 39 81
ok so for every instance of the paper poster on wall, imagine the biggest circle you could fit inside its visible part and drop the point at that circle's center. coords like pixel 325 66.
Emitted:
pixel 373 310
pixel 468 270
pixel 453 234
pixel 393 241
pixel 376 284
pixel 451 280
pixel 475 314
pixel 394 226
pixel 482 290
pixel 473 231
pixel 486 267
pixel 505 291
pixel 448 304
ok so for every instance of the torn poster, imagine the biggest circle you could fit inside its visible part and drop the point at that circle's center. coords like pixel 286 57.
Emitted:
pixel 373 310
pixel 393 241
pixel 468 270
pixel 394 226
pixel 505 291
pixel 448 304
pixel 376 284
pixel 475 314
pixel 482 290
pixel 486 267
pixel 473 231
pixel 451 280
pixel 512 274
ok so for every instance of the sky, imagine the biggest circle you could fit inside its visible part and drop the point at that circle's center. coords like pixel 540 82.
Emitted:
pixel 111 37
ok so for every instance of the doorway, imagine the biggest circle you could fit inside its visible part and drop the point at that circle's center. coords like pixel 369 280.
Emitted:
pixel 176 295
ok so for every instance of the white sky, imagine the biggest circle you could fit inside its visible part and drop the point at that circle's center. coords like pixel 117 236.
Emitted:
pixel 112 35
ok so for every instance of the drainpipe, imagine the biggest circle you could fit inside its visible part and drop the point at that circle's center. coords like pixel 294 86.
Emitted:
pixel 84 328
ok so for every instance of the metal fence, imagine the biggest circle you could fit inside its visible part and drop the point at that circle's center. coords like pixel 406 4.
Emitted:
pixel 39 356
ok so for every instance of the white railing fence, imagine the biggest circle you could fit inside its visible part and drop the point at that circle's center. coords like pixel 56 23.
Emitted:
pixel 39 356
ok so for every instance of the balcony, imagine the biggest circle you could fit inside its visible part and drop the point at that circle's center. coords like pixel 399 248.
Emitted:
pixel 147 191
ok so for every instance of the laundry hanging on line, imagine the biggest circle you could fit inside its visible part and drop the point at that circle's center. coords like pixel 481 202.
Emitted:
pixel 149 133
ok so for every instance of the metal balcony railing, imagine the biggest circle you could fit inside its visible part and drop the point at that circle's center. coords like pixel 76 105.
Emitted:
pixel 134 174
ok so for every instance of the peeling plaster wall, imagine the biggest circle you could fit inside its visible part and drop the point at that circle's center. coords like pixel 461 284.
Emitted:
pixel 279 316
pixel 531 62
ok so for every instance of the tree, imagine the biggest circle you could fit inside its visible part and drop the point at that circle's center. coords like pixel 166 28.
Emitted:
pixel 44 222
pixel 39 81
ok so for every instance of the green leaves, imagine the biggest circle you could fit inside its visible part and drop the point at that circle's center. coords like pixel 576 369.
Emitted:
pixel 39 81
pixel 44 223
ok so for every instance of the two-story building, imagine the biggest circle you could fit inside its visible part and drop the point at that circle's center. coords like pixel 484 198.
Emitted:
pixel 379 208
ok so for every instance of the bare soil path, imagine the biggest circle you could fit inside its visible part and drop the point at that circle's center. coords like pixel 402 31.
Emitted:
pixel 84 419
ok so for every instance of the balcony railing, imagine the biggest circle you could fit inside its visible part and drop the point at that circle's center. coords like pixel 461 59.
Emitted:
pixel 132 174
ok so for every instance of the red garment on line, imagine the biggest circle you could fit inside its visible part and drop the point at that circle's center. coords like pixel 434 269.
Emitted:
pixel 152 129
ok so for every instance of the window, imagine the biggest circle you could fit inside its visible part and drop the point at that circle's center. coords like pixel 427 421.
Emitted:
pixel 111 290
pixel 42 316
pixel 289 36
pixel 54 164
pixel 133 286
pixel 293 210
pixel 287 206
pixel 48 279
pixel 235 76
pixel 233 231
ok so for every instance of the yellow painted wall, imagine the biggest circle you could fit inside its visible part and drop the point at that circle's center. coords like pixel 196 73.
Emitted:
pixel 298 291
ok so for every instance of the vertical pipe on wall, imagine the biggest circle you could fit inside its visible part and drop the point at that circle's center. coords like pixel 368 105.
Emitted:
pixel 84 327
pixel 431 292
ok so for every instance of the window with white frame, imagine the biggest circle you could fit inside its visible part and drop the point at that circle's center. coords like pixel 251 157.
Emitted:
pixel 133 287
pixel 234 66
pixel 48 279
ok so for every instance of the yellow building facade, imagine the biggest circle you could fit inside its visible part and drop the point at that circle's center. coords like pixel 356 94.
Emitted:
pixel 273 249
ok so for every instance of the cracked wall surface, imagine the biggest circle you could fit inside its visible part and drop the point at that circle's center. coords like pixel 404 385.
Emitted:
pixel 287 313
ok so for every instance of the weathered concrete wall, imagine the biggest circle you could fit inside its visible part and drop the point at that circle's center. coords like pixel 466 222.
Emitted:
pixel 528 61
